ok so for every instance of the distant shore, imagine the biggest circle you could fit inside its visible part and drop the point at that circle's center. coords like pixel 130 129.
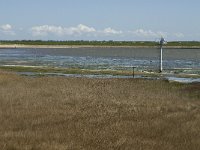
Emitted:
pixel 8 46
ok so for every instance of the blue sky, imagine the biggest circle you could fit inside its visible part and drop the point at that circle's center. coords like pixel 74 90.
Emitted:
pixel 99 19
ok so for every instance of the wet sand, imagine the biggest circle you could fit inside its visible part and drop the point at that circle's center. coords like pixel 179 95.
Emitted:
pixel 80 113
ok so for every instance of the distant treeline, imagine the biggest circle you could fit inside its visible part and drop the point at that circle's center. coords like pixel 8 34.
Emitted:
pixel 95 43
pixel 101 43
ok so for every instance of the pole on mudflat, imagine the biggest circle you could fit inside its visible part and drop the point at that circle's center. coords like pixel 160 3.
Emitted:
pixel 162 41
pixel 161 66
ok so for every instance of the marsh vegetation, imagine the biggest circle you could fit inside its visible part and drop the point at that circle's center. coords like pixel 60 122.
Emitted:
pixel 58 113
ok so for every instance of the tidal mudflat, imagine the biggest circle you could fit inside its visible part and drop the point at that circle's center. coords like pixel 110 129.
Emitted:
pixel 103 62
pixel 101 58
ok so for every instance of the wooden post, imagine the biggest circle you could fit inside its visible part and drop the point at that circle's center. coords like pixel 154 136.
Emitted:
pixel 133 72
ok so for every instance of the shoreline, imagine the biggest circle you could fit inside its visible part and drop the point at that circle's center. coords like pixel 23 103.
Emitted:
pixel 9 46
pixel 39 71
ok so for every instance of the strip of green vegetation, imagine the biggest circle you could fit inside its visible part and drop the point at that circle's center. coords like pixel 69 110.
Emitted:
pixel 41 71
pixel 64 70
pixel 184 43
pixel 102 43
pixel 92 43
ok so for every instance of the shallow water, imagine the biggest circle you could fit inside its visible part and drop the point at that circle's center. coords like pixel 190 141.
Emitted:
pixel 183 80
pixel 174 79
pixel 106 58
pixel 102 58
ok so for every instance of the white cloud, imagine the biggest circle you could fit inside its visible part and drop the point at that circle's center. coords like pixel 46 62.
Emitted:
pixel 110 31
pixel 148 33
pixel 79 30
pixel 61 31
pixel 179 35
pixel 45 29
pixel 82 31
pixel 7 29
pixel 141 32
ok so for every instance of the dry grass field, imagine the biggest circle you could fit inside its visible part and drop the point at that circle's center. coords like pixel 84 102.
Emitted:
pixel 58 113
